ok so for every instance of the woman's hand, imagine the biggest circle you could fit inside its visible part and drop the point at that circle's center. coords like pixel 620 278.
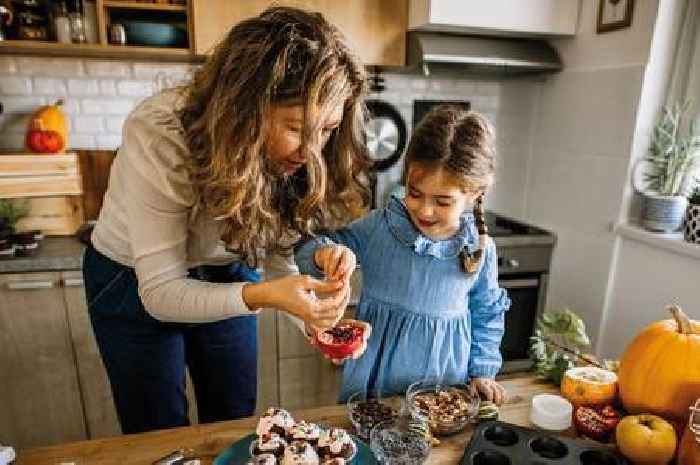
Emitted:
pixel 367 331
pixel 490 389
pixel 296 294
pixel 337 261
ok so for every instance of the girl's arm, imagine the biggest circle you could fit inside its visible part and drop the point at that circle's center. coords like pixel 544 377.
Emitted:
pixel 487 304
pixel 355 236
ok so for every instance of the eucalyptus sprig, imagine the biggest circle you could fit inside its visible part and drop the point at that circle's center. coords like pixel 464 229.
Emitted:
pixel 557 343
pixel 672 153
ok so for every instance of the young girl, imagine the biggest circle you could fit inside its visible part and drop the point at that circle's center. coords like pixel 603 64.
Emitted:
pixel 430 276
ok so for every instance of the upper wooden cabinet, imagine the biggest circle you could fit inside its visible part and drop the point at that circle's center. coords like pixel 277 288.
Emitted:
pixel 376 29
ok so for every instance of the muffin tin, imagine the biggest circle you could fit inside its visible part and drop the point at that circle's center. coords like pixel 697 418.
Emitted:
pixel 500 443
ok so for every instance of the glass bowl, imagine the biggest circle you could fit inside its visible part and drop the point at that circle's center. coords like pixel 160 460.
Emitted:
pixel 367 409
pixel 447 408
pixel 395 442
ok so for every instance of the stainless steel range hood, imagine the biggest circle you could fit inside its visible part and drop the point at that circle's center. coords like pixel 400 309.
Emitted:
pixel 436 53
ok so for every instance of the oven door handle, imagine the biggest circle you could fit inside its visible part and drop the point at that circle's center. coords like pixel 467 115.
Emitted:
pixel 518 283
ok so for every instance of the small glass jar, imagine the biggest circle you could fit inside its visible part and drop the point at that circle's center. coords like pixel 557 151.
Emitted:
pixel 399 442
pixel 62 24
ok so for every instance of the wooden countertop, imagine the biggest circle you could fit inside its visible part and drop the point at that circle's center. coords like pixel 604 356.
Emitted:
pixel 209 440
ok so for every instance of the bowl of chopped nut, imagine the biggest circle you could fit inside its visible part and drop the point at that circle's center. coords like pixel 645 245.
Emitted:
pixel 446 408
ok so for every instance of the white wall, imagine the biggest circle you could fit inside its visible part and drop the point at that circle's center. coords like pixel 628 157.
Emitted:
pixel 581 150
pixel 645 279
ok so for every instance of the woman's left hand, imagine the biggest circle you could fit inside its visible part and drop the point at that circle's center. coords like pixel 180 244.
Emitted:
pixel 491 390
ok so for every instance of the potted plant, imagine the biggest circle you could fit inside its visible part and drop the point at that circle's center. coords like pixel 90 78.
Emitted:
pixel 692 217
pixel 670 161
pixel 10 213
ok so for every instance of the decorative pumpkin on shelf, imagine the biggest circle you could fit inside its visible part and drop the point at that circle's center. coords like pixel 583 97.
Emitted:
pixel 47 132
pixel 660 370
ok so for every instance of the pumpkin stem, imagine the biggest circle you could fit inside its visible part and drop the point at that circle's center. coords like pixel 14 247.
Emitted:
pixel 684 326
pixel 59 102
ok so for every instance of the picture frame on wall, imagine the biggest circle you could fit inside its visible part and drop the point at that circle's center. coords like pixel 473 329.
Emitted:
pixel 614 15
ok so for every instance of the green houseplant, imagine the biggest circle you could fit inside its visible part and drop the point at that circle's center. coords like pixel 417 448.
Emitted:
pixel 10 213
pixel 692 216
pixel 670 161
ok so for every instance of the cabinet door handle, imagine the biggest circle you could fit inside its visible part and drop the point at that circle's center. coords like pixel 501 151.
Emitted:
pixel 28 285
pixel 73 282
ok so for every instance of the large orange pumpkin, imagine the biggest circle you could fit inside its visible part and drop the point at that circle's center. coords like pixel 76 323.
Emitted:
pixel 689 447
pixel 660 370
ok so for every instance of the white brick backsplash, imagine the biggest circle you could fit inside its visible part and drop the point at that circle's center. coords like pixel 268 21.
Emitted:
pixel 12 141
pixel 71 106
pixel 83 87
pixel 107 106
pixel 22 104
pixel 108 142
pixel 49 86
pixel 151 70
pixel 110 69
pixel 81 141
pixel 108 88
pixel 55 67
pixel 419 84
pixel 16 85
pixel 14 123
pixel 135 88
pixel 88 125
pixel 115 124
pixel 8 65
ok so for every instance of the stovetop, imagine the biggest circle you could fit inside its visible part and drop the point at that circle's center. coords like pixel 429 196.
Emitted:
pixel 500 226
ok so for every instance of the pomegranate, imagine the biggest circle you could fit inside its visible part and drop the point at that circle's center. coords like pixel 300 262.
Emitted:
pixel 596 423
pixel 340 341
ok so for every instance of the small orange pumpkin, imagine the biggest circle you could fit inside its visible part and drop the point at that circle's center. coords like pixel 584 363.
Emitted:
pixel 660 370
pixel 589 386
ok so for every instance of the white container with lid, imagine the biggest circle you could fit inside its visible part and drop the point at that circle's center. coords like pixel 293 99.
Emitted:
pixel 551 412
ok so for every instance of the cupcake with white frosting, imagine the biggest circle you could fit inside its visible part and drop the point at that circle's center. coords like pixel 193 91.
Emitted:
pixel 303 431
pixel 299 453
pixel 263 459
pixel 275 420
pixel 336 443
pixel 271 443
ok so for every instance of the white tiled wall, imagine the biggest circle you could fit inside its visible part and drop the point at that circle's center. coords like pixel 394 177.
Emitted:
pixel 98 95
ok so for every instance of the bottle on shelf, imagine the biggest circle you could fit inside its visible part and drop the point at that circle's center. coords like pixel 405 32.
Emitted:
pixel 77 22
pixel 62 24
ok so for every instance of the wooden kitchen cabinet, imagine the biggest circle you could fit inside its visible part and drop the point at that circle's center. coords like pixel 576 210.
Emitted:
pixel 39 392
pixel 376 29
pixel 100 413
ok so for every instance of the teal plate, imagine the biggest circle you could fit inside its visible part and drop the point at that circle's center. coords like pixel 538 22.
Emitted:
pixel 239 453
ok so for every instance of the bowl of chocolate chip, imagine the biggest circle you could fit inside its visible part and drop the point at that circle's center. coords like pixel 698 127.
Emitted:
pixel 365 410
pixel 447 409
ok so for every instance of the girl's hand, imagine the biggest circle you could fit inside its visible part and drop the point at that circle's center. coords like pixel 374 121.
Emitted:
pixel 490 389
pixel 296 294
pixel 367 331
pixel 337 261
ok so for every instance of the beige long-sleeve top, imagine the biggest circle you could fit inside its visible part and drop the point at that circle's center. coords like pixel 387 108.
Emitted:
pixel 149 221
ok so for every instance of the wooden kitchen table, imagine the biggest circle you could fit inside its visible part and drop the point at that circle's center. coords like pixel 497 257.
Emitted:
pixel 207 441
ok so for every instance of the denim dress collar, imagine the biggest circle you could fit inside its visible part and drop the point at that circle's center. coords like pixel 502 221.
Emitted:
pixel 406 233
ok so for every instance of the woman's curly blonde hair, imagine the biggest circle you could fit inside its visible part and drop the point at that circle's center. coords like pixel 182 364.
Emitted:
pixel 284 56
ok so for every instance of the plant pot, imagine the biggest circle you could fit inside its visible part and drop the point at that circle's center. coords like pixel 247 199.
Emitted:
pixel 663 213
pixel 692 224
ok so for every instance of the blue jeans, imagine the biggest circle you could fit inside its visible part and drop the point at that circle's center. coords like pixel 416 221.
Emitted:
pixel 146 358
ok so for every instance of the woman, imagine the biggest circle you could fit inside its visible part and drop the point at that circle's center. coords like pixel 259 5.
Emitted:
pixel 264 145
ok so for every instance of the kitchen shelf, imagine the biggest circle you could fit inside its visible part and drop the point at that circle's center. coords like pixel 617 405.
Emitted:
pixel 144 6
pixel 32 47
